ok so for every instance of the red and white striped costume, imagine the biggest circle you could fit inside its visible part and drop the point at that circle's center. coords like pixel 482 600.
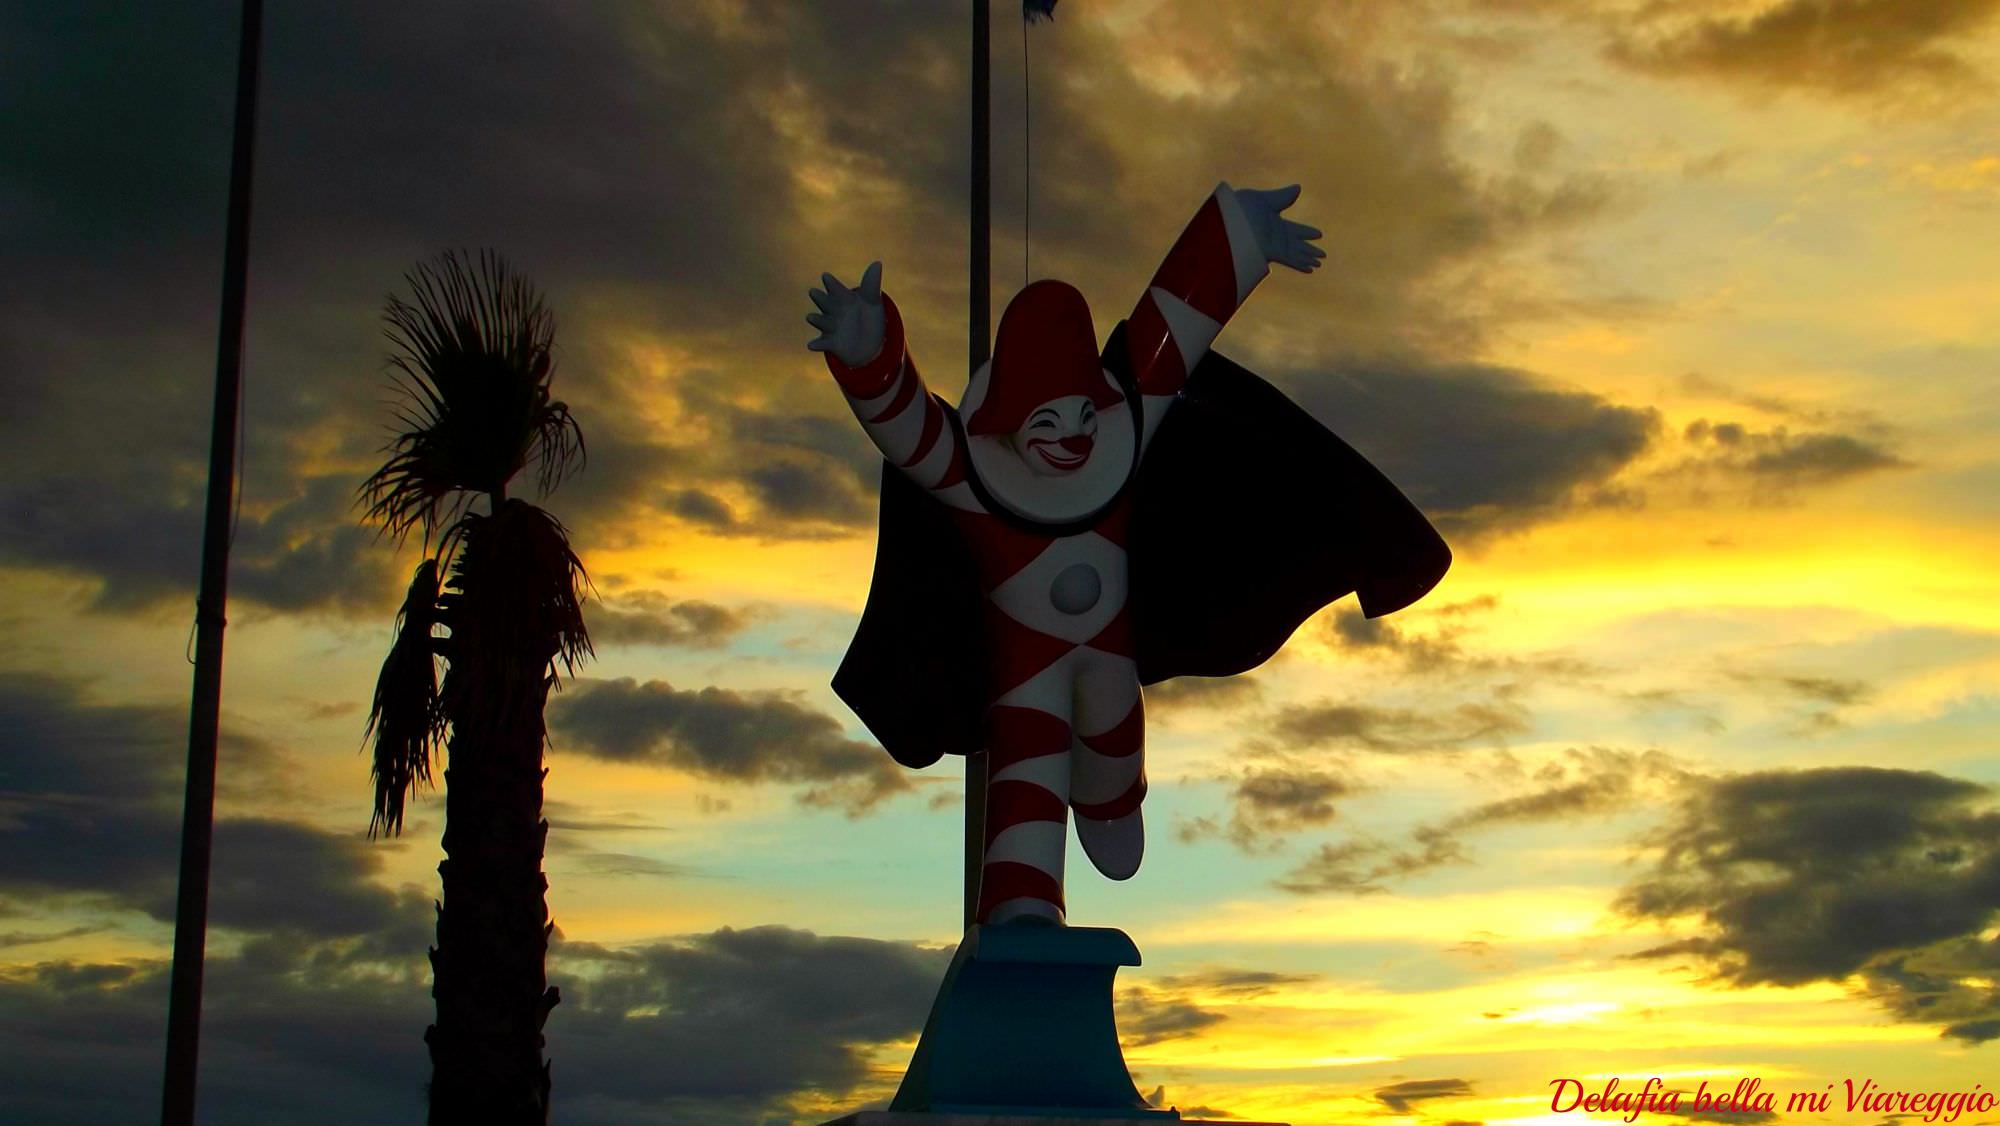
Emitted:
pixel 1065 726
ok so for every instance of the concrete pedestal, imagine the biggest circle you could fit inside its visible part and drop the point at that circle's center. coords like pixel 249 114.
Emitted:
pixel 1023 1025
pixel 1022 1034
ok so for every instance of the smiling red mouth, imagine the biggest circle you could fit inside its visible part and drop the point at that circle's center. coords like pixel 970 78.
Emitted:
pixel 1065 453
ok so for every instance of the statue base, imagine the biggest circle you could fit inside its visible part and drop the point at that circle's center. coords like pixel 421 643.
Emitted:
pixel 1022 1034
pixel 1023 1028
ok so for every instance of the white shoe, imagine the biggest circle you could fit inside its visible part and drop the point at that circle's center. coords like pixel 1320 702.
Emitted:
pixel 1114 846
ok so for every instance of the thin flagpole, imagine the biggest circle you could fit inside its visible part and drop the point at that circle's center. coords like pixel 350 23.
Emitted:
pixel 204 714
pixel 980 345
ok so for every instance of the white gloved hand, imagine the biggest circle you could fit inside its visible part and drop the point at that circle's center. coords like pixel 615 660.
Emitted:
pixel 1278 238
pixel 849 320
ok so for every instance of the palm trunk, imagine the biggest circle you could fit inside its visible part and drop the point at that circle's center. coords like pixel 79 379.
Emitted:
pixel 492 935
pixel 493 929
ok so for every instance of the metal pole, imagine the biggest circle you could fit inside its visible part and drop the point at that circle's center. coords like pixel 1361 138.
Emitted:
pixel 980 338
pixel 204 714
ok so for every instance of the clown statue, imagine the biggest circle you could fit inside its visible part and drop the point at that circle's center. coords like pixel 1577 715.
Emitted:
pixel 1089 520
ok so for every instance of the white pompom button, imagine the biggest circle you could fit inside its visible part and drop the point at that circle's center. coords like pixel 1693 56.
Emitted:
pixel 1076 589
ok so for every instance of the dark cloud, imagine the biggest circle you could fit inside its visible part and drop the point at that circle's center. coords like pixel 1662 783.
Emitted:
pixel 1441 651
pixel 1842 48
pixel 1401 1097
pixel 1189 693
pixel 660 171
pixel 1819 699
pixel 1270 803
pixel 1150 1016
pixel 619 164
pixel 1376 728
pixel 90 803
pixel 572 818
pixel 570 854
pixel 700 508
pixel 737 468
pixel 1818 875
pixel 1382 176
pixel 728 736
pixel 1235 984
pixel 710 1029
pixel 1774 463
pixel 1583 781
pixel 729 1022
pixel 1480 449
pixel 1363 867
pixel 88 796
pixel 316 978
pixel 13 939
pixel 649 618
pixel 309 1036
pixel 138 534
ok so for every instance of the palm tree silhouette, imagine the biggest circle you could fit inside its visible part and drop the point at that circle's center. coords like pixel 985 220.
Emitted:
pixel 472 358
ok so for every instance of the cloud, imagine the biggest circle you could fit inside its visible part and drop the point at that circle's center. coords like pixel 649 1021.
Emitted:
pixel 1856 49
pixel 1370 727
pixel 1441 651
pixel 1363 867
pixel 314 965
pixel 1152 1016
pixel 1401 1097
pixel 276 1023
pixel 575 856
pixel 710 1029
pixel 1821 697
pixel 726 736
pixel 674 177
pixel 1269 803
pixel 649 618
pixel 1482 450
pixel 731 1021
pixel 1234 984
pixel 1773 463
pixel 138 535
pixel 1583 781
pixel 375 150
pixel 90 803
pixel 1191 693
pixel 1791 877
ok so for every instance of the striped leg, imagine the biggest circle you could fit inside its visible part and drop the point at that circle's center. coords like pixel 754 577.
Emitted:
pixel 1108 764
pixel 1027 794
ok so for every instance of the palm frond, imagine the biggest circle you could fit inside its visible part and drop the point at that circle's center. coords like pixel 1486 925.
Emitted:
pixel 406 719
pixel 518 571
pixel 471 357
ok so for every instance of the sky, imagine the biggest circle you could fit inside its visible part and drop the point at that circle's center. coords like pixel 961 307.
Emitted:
pixel 1677 319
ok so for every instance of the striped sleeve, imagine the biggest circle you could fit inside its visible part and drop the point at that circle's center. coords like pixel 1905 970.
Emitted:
pixel 902 417
pixel 1207 275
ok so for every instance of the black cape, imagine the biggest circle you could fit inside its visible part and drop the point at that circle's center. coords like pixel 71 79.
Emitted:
pixel 1248 518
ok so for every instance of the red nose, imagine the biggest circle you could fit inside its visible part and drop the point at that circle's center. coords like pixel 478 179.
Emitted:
pixel 1076 444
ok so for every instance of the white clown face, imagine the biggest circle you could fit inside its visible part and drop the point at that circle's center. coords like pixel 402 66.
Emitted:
pixel 1058 437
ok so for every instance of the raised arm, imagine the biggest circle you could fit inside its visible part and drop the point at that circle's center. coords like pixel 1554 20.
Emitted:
pixel 861 334
pixel 1224 252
